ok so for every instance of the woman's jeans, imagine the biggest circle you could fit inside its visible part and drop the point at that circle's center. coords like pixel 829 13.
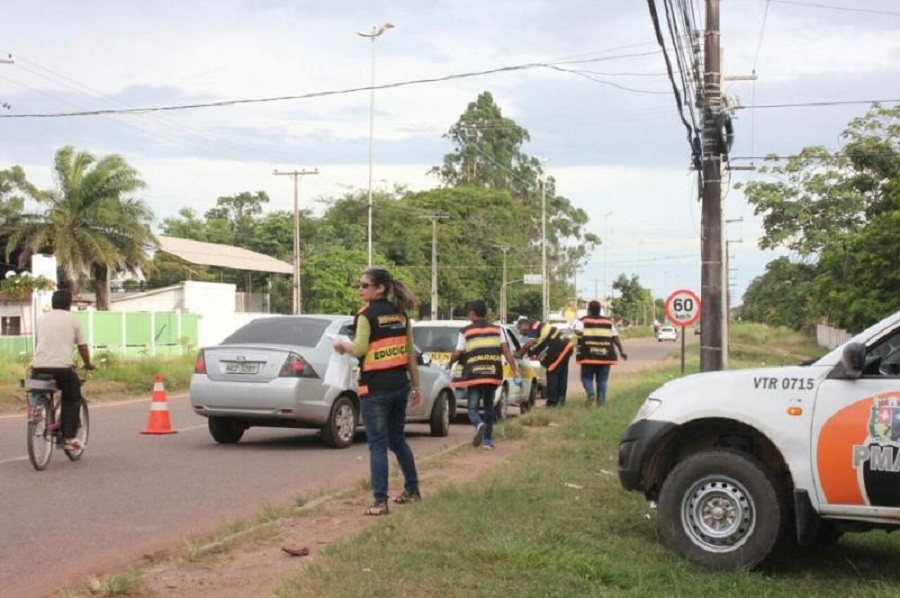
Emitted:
pixel 478 397
pixel 591 372
pixel 384 415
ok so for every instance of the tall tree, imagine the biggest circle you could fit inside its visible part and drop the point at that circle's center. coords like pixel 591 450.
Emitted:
pixel 92 223
pixel 488 153
pixel 836 211
pixel 14 190
pixel 634 303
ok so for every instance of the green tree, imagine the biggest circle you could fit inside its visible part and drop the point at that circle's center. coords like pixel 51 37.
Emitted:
pixel 235 216
pixel 634 303
pixel 831 210
pixel 488 153
pixel 14 190
pixel 783 295
pixel 92 224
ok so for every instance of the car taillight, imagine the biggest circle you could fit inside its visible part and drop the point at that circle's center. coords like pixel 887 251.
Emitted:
pixel 200 364
pixel 296 367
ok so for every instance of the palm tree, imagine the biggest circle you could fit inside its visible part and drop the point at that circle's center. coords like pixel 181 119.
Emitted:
pixel 92 224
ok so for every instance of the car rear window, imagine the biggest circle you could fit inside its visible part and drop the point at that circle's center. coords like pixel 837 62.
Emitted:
pixel 435 338
pixel 305 332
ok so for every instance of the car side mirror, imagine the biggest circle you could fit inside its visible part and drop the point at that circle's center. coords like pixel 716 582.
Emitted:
pixel 854 360
pixel 424 358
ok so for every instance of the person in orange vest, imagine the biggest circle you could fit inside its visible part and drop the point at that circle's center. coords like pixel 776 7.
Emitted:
pixel 553 351
pixel 388 380
pixel 598 341
pixel 480 348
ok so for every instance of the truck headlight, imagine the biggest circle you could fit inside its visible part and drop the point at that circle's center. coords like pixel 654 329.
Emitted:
pixel 646 409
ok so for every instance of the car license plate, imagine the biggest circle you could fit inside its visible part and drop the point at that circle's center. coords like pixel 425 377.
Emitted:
pixel 241 367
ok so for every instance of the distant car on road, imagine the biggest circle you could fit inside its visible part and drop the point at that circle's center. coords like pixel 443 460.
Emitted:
pixel 269 372
pixel 667 333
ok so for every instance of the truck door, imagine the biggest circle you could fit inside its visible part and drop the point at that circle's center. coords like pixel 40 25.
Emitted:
pixel 856 437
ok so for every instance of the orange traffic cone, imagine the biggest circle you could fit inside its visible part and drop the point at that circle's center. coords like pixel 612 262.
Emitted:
pixel 159 422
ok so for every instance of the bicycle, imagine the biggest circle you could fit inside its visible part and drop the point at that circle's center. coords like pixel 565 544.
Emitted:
pixel 43 421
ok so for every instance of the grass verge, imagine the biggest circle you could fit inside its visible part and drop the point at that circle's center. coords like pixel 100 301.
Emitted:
pixel 555 522
pixel 115 378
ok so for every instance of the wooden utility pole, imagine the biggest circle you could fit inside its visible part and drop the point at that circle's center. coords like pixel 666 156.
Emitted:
pixel 298 297
pixel 435 217
pixel 712 344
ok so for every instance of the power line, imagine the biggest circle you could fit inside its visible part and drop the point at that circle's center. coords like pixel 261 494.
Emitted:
pixel 603 82
pixel 762 30
pixel 317 94
pixel 659 40
pixel 811 104
pixel 844 8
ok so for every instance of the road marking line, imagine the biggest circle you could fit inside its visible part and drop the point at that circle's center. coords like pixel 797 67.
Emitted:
pixel 192 428
pixel 4 461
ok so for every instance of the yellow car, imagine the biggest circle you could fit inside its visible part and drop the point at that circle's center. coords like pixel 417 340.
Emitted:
pixel 437 338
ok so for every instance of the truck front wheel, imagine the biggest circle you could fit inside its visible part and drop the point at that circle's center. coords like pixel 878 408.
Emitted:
pixel 721 509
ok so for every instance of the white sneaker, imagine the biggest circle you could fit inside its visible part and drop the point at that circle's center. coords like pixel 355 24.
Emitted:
pixel 73 445
pixel 479 435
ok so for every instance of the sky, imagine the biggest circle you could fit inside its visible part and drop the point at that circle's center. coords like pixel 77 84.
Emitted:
pixel 611 135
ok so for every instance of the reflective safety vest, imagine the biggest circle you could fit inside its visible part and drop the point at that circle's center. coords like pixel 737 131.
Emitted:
pixel 595 344
pixel 482 360
pixel 384 366
pixel 554 349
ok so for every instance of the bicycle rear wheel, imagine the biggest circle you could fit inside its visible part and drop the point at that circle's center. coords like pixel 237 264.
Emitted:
pixel 40 438
pixel 84 427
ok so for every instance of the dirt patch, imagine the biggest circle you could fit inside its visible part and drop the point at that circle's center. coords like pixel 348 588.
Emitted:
pixel 254 562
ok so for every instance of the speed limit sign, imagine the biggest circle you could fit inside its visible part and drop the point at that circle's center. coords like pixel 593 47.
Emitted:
pixel 683 307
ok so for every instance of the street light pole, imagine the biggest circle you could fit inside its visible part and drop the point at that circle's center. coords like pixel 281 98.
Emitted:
pixel 605 251
pixel 376 32
pixel 297 307
pixel 545 295
pixel 503 298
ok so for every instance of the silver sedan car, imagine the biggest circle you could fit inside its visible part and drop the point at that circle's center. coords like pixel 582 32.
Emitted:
pixel 269 373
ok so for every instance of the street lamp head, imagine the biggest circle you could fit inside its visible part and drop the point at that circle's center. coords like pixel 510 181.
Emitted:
pixel 375 32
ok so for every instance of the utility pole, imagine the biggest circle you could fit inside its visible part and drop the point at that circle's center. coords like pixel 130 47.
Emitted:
pixel 298 298
pixel 503 298
pixel 545 282
pixel 712 344
pixel 727 319
pixel 435 217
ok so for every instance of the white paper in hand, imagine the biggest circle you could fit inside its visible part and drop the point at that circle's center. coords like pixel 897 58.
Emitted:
pixel 339 373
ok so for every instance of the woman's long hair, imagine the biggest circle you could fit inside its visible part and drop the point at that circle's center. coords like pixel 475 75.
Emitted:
pixel 402 296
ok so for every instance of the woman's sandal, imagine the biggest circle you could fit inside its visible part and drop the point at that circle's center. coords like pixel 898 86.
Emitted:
pixel 407 497
pixel 379 508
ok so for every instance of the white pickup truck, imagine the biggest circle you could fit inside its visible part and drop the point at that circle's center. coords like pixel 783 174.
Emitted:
pixel 738 460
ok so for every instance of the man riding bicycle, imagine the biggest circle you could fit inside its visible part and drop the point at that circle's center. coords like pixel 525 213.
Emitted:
pixel 57 331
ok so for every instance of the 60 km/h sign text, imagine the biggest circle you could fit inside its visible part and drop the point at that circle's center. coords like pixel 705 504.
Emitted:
pixel 683 307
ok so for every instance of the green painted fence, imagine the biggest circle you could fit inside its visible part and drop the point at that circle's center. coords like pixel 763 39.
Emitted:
pixel 125 333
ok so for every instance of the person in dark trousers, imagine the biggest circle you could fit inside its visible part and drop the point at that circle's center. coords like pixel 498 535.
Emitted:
pixel 388 380
pixel 58 331
pixel 553 351
pixel 480 349
pixel 598 341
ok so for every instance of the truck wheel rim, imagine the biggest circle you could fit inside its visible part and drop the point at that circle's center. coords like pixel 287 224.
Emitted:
pixel 718 514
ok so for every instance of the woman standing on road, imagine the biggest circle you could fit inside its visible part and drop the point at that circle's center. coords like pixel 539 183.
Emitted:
pixel 383 343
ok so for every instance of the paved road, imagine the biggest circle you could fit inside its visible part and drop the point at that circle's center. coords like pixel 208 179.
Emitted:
pixel 133 494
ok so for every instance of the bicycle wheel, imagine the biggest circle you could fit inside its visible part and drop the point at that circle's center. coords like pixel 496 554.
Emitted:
pixel 40 438
pixel 82 433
